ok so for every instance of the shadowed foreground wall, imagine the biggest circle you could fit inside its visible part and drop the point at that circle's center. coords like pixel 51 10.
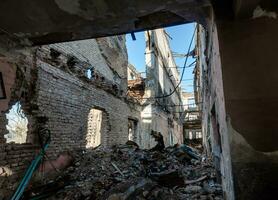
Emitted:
pixel 250 79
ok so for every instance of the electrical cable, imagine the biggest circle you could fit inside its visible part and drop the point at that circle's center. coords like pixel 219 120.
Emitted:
pixel 185 62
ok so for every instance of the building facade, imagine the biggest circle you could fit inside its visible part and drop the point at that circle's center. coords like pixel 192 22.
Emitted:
pixel 192 126
pixel 158 93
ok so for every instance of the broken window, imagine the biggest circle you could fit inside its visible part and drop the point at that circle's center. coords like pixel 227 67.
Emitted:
pixel 90 73
pixel 97 128
pixel 17 125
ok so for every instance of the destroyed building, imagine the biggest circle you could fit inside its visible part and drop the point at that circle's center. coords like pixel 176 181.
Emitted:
pixel 73 89
pixel 192 120
pixel 236 80
pixel 161 79
pixel 77 90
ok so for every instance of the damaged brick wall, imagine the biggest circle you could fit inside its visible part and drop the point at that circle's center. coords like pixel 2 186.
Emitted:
pixel 66 96
pixel 19 78
pixel 107 56
pixel 58 95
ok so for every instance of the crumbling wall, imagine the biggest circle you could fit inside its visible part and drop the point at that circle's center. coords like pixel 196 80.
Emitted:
pixel 56 93
pixel 113 50
pixel 161 114
pixel 105 56
pixel 214 118
pixel 65 98
pixel 85 51
pixel 69 121
pixel 19 78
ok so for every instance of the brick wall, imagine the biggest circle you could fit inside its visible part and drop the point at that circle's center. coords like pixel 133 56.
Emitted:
pixel 108 56
pixel 65 101
pixel 59 96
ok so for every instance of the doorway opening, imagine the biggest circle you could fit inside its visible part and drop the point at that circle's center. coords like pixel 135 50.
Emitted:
pixel 97 128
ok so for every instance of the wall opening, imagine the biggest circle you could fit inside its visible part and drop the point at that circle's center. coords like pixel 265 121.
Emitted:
pixel 97 128
pixel 132 130
pixel 90 73
pixel 17 125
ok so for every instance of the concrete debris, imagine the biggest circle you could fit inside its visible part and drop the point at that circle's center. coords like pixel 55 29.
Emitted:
pixel 125 172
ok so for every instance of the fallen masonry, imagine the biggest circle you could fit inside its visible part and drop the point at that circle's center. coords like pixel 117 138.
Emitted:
pixel 125 172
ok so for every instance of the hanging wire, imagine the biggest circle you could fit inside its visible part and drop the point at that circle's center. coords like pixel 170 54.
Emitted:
pixel 183 71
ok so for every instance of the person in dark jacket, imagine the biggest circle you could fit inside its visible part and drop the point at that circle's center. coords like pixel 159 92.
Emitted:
pixel 158 137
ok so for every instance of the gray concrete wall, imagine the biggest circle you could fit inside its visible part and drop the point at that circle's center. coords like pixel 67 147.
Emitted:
pixel 250 79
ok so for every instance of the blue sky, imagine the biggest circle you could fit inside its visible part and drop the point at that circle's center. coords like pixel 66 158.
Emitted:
pixel 181 36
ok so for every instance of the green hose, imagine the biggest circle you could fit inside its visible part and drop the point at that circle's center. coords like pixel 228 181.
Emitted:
pixel 29 172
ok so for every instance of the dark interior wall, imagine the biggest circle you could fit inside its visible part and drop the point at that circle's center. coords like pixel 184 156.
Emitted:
pixel 255 173
pixel 250 76
pixel 8 74
pixel 250 79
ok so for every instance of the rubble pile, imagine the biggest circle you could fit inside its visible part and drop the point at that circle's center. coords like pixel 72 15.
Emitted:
pixel 126 172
